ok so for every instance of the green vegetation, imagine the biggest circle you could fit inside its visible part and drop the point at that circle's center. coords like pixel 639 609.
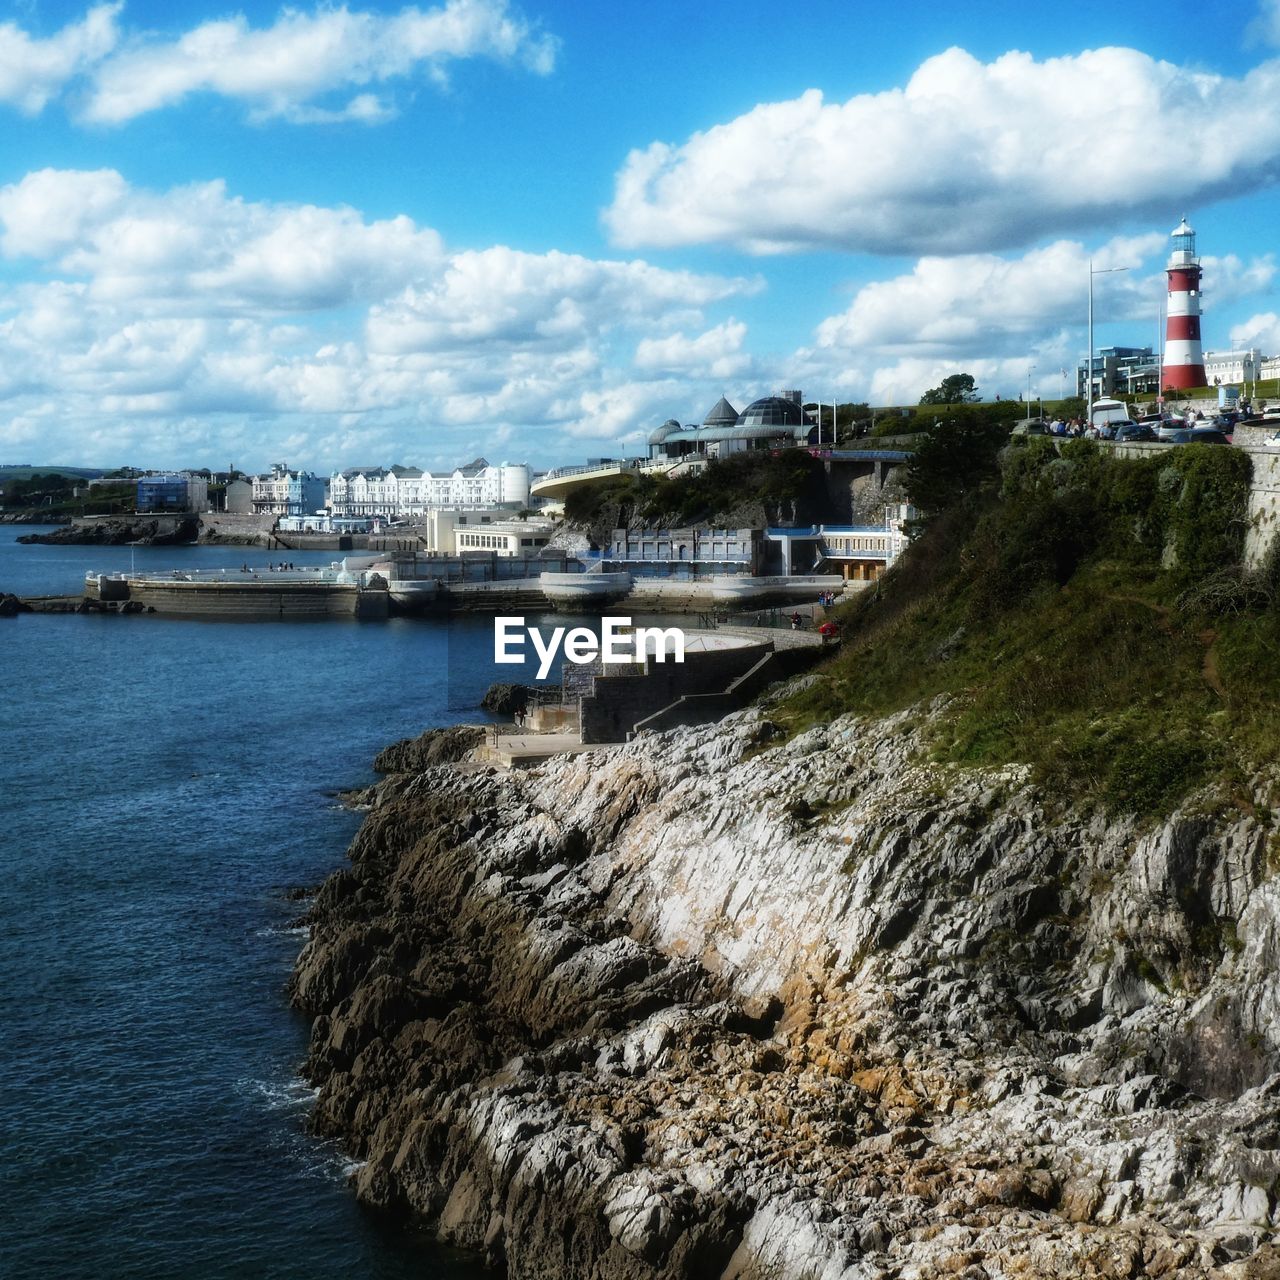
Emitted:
pixel 54 492
pixel 789 480
pixel 926 418
pixel 23 472
pixel 959 388
pixel 1086 613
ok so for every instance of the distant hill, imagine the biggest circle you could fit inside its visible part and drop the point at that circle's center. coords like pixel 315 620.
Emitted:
pixel 25 472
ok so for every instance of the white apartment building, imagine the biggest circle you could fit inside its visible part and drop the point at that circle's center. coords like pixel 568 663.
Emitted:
pixel 282 492
pixel 403 492
pixel 1233 368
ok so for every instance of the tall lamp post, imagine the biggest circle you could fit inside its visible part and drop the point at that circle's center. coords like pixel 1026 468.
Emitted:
pixel 1088 394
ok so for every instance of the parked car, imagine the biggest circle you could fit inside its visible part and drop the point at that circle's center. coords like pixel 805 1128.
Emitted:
pixel 1128 432
pixel 1180 435
pixel 1207 435
pixel 1169 430
pixel 1032 427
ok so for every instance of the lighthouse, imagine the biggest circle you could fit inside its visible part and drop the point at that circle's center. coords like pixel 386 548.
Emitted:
pixel 1183 357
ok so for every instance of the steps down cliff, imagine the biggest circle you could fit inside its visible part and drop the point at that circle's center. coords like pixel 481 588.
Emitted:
pixel 724 1005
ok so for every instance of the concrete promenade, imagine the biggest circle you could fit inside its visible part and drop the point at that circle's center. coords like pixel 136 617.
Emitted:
pixel 520 750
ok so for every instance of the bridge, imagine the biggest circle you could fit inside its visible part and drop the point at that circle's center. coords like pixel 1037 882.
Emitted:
pixel 562 481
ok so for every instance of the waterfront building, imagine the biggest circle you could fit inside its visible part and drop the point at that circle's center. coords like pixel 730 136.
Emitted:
pixel 503 538
pixel 772 422
pixel 400 492
pixel 282 492
pixel 1183 355
pixel 858 552
pixel 489 531
pixel 322 522
pixel 176 492
pixel 1232 368
pixel 1120 371
pixel 694 550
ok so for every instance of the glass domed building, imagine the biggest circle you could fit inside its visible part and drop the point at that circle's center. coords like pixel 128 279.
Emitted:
pixel 772 411
pixel 773 422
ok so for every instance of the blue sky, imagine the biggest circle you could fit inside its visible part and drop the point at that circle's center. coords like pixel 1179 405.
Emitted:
pixel 374 233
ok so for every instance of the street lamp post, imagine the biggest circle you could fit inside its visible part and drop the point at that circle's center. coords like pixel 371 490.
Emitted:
pixel 1088 394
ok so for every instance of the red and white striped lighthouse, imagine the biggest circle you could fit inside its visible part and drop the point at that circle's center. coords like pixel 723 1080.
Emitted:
pixel 1183 356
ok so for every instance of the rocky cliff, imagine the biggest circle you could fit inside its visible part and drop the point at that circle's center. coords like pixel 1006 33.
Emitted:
pixel 722 1005
pixel 152 531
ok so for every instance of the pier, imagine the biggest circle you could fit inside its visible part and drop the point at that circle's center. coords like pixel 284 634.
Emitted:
pixel 380 587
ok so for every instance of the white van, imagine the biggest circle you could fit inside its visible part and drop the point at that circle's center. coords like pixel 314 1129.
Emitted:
pixel 1107 412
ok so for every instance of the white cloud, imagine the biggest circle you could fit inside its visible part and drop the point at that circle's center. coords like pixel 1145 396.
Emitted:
pixel 968 156
pixel 33 71
pixel 143 311
pixel 717 353
pixel 1229 276
pixel 983 303
pixel 292 70
pixel 1265 28
pixel 1261 330
pixel 999 317
pixel 364 108
pixel 196 248
pixel 280 71
pixel 51 209
pixel 495 297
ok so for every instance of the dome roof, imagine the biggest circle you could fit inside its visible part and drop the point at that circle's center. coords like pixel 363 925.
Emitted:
pixel 722 415
pixel 668 428
pixel 772 411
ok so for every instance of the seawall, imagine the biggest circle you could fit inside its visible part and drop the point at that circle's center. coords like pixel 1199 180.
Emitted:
pixel 248 598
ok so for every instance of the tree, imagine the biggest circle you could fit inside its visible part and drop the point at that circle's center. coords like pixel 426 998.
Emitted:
pixel 954 461
pixel 957 389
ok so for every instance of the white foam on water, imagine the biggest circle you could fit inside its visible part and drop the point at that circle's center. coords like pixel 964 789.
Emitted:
pixel 284 931
pixel 282 1094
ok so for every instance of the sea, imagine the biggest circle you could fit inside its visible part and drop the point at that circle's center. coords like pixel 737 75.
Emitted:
pixel 164 785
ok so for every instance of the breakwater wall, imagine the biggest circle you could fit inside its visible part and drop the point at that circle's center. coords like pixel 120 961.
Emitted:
pixel 371 589
pixel 250 598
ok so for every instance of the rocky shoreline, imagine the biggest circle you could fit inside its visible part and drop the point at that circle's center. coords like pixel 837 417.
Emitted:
pixel 711 1006
pixel 151 531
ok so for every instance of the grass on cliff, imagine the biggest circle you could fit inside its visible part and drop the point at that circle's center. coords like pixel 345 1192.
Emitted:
pixel 1087 617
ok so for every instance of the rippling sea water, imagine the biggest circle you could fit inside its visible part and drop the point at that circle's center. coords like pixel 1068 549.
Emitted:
pixel 163 783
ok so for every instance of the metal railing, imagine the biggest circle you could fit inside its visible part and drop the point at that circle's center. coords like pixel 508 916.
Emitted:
pixel 607 464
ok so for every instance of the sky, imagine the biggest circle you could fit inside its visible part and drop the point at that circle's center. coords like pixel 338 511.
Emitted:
pixel 357 234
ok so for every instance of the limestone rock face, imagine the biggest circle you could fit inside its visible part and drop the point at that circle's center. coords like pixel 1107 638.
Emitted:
pixel 710 1006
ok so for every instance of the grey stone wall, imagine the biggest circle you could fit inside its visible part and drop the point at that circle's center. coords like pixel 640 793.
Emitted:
pixel 616 703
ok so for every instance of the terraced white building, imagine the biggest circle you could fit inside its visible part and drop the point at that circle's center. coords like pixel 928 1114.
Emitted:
pixel 399 492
